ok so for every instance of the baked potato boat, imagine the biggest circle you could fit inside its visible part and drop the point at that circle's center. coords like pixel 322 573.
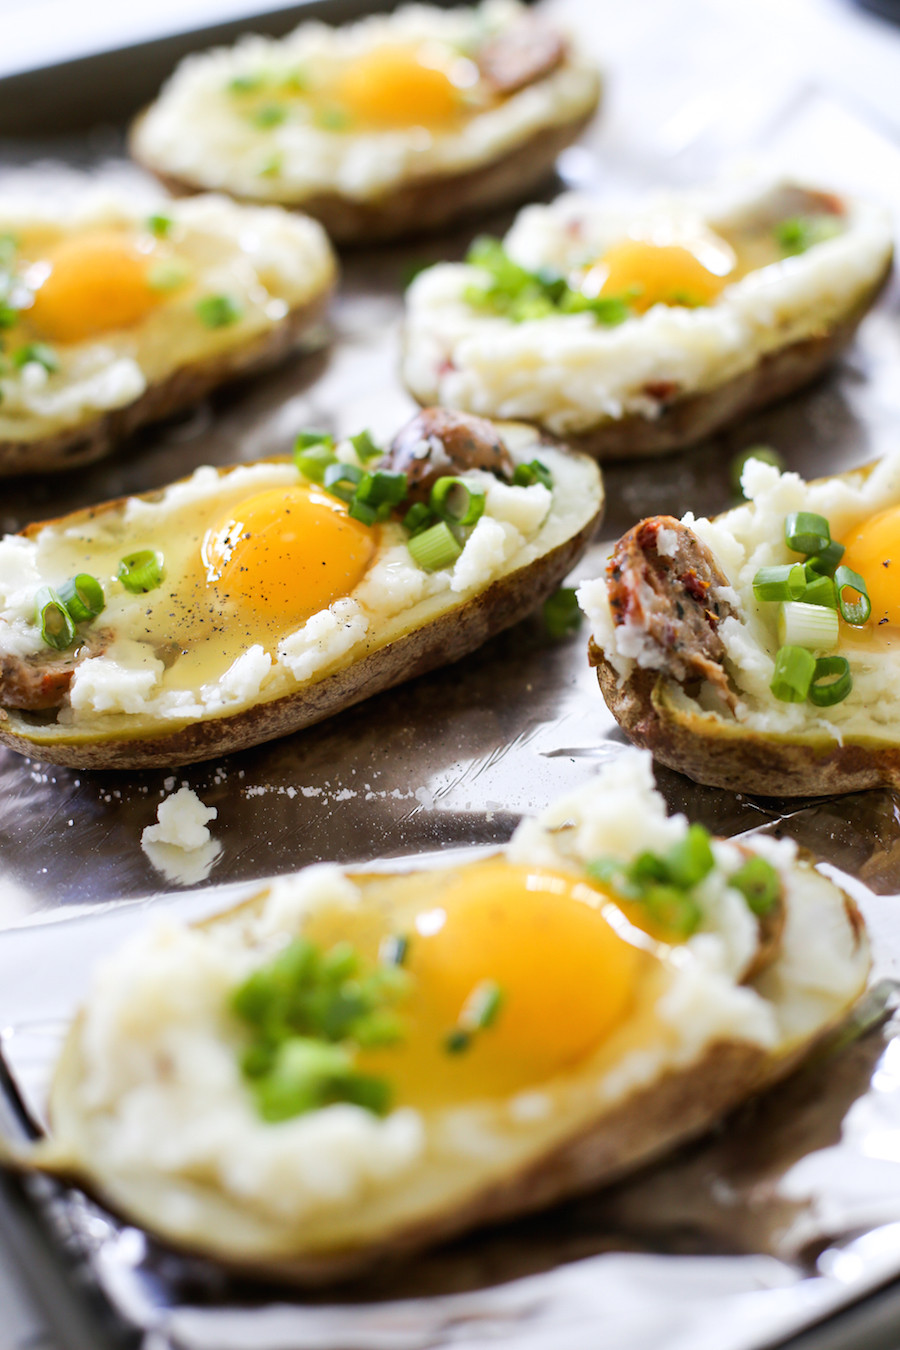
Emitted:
pixel 758 651
pixel 117 310
pixel 390 126
pixel 353 1066
pixel 247 602
pixel 637 330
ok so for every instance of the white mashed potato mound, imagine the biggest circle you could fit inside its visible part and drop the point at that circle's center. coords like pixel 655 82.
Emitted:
pixel 182 821
pixel 572 374
pixel 163 1001
pixel 192 132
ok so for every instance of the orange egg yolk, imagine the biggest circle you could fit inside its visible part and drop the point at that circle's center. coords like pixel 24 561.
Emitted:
pixel 392 87
pixel 97 282
pixel 567 980
pixel 286 553
pixel 653 274
pixel 873 550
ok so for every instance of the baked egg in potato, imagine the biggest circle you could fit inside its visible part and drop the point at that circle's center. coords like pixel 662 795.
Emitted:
pixel 113 315
pixel 758 651
pixel 392 125
pixel 246 602
pixel 354 1065
pixel 637 330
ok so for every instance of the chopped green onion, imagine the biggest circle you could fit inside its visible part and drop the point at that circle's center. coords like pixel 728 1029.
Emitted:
pixel 38 353
pixel 418 518
pixel 691 859
pixel 794 669
pixel 218 311
pixel 9 317
pixel 83 597
pixel 786 581
pixel 610 310
pixel 394 950
pixel 365 447
pixel 852 612
pixel 759 884
pixel 824 563
pixel 247 84
pixel 820 592
pixel 269 115
pixel 524 475
pixel 358 510
pixel 168 275
pixel 561 614
pixel 457 501
pixel 141 572
pixel 673 909
pixel 803 625
pixel 766 453
pixel 435 548
pixel 806 532
pixel 831 681
pixel 457 1041
pixel 385 487
pixel 160 226
pixel 307 1074
pixel 342 480
pixel 313 459
pixel 53 619
pixel 799 233
pixel 482 1006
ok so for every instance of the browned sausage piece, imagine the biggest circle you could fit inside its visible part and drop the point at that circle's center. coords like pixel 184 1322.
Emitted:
pixel 40 682
pixel 668 594
pixel 522 54
pixel 438 442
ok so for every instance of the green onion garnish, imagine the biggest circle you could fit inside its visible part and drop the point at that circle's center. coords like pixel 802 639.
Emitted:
pixel 766 453
pixel 824 563
pixel 342 480
pixel 394 950
pixel 83 597
pixel 691 859
pixel 561 614
pixel 457 501
pixel 520 295
pixel 854 612
pixel 358 510
pixel 758 883
pixel 247 84
pixel 482 1006
pixel 53 619
pixel 365 447
pixel 435 547
pixel 786 581
pixel 803 625
pixel 141 572
pixel 269 115
pixel 806 532
pixel 524 475
pixel 9 317
pixel 794 670
pixel 457 1041
pixel 820 591
pixel 831 681
pixel 160 225
pixel 218 311
pixel 799 233
pixel 38 353
pixel 418 518
pixel 315 457
pixel 673 909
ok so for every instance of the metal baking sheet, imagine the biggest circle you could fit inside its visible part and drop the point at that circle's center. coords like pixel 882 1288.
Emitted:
pixel 792 1211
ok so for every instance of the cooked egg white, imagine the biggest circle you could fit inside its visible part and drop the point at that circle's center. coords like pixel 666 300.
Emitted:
pixel 108 292
pixel 151 1100
pixel 863 510
pixel 267 583
pixel 711 293
pixel 356 110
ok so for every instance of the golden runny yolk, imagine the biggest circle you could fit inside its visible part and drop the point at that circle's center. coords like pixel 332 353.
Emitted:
pixel 568 979
pixel 873 550
pixel 97 282
pixel 392 87
pixel 287 553
pixel 653 274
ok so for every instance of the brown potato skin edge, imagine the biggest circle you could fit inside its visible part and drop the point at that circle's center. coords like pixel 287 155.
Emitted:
pixel 443 640
pixel 71 447
pixel 735 758
pixel 423 204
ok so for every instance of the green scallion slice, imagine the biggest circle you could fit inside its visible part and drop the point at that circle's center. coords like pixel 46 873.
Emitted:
pixel 674 910
pixel 823 564
pixel 38 353
pixel 53 619
pixel 794 669
pixel 482 1006
pixel 435 548
pixel 457 1041
pixel 766 453
pixel 394 950
pixel 457 501
pixel 141 572
pixel 250 83
pixel 368 515
pixel 831 681
pixel 342 480
pixel 269 115
pixel 218 311
pixel 691 859
pixel 786 581
pixel 803 625
pixel 385 487
pixel 314 457
pixel 418 518
pixel 365 447
pixel 160 225
pixel 759 884
pixel 806 532
pixel 561 613
pixel 524 475
pixel 820 592
pixel 854 612
pixel 83 597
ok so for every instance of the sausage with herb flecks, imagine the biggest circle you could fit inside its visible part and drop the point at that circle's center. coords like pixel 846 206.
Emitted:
pixel 438 442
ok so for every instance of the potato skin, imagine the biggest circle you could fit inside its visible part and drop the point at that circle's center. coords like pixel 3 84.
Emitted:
pixel 423 204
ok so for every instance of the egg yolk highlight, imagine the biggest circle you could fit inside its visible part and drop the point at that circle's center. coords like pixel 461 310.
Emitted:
pixel 286 553
pixel 97 282
pixel 393 87
pixel 660 274
pixel 873 550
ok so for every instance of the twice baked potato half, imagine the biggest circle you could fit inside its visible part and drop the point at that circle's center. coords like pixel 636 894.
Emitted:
pixel 637 330
pixel 116 313
pixel 353 1066
pixel 744 659
pixel 390 126
pixel 247 602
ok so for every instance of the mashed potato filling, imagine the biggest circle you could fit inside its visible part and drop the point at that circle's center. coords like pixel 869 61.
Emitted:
pixel 571 373
pixel 156 1093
